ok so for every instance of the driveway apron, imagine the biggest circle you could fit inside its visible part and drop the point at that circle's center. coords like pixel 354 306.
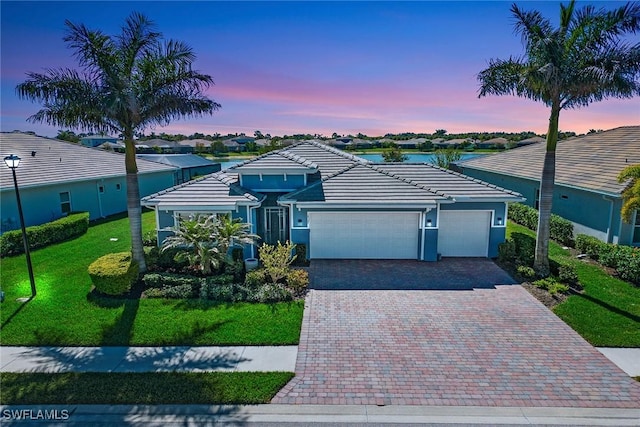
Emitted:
pixel 483 347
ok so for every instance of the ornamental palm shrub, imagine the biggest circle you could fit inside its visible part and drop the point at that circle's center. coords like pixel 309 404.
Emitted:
pixel 195 238
pixel 113 274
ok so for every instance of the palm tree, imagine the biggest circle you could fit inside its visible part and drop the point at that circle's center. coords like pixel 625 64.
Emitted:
pixel 196 237
pixel 584 60
pixel 125 84
pixel 231 232
pixel 631 194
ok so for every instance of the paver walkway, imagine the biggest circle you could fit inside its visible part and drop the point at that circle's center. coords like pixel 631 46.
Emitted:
pixel 485 347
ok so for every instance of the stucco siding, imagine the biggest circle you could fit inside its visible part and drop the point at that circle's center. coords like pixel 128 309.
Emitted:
pixel 272 183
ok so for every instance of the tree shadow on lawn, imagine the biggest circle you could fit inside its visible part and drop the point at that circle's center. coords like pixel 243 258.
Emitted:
pixel 198 304
pixel 609 307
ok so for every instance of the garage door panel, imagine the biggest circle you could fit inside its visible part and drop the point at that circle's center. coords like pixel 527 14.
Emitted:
pixel 358 235
pixel 463 233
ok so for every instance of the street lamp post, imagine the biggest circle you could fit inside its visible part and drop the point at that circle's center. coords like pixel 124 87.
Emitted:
pixel 12 161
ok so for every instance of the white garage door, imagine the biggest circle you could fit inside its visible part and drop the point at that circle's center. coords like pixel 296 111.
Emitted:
pixel 464 233
pixel 364 235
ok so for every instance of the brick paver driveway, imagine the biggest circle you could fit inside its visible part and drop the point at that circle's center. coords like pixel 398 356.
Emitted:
pixel 488 347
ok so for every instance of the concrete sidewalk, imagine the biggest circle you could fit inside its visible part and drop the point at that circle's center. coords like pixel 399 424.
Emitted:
pixel 148 359
pixel 234 358
pixel 209 415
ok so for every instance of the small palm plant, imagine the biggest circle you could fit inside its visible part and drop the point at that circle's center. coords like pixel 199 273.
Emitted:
pixel 196 237
pixel 229 233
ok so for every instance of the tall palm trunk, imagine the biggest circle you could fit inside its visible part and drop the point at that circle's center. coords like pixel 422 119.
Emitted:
pixel 134 209
pixel 541 262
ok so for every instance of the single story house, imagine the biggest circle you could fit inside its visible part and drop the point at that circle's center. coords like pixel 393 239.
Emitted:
pixel 164 146
pixel 342 206
pixel 189 166
pixel 56 177
pixel 96 140
pixel 587 191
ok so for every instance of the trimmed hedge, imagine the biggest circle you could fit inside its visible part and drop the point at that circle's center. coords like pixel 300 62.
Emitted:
pixel 72 225
pixel 560 229
pixel 625 259
pixel 113 274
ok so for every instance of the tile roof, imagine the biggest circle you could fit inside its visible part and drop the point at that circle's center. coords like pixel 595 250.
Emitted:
pixel 177 160
pixel 366 184
pixel 277 161
pixel 217 189
pixel 591 162
pixel 452 184
pixel 58 161
pixel 329 160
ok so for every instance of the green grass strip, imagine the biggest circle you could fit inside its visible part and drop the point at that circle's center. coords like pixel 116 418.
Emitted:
pixel 141 388
pixel 607 313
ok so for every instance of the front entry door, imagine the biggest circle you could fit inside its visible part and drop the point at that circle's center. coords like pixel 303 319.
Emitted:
pixel 275 225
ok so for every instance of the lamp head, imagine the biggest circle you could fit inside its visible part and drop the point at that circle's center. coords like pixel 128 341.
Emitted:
pixel 12 161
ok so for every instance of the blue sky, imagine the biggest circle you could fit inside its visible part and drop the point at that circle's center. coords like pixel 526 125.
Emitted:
pixel 316 67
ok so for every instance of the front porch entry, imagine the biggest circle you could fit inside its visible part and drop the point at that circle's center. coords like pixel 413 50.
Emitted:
pixel 276 225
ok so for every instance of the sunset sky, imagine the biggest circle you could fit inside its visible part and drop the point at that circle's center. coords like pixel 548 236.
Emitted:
pixel 315 67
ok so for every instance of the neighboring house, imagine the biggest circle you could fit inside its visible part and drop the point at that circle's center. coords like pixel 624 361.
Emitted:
pixel 498 142
pixel 342 206
pixel 113 146
pixel 197 144
pixel 587 191
pixel 532 140
pixel 189 166
pixel 238 143
pixel 167 147
pixel 56 177
pixel 96 140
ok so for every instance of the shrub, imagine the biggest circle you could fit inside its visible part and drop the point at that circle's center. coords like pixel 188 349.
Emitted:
pixel 567 274
pixel 507 251
pixel 39 236
pixel 218 292
pixel 526 272
pixel 589 245
pixel 301 254
pixel 560 229
pixel 235 269
pixel 172 285
pixel 255 278
pixel 551 285
pixel 277 259
pixel 628 265
pixel 609 254
pixel 150 239
pixel 113 274
pixel 298 280
pixel 525 247
pixel 273 292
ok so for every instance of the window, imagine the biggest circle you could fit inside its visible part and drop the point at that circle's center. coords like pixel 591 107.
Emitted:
pixel 636 229
pixel 65 202
pixel 537 199
pixel 101 188
pixel 118 187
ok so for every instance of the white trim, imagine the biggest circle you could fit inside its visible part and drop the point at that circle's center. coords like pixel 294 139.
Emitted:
pixel 327 207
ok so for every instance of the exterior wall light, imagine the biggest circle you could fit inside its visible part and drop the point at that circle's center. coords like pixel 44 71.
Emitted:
pixel 499 221
pixel 429 223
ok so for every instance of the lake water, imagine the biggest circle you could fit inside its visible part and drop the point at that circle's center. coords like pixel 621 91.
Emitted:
pixel 375 158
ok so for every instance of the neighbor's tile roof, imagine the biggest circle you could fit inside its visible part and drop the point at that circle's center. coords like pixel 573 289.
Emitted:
pixel 365 184
pixel 217 189
pixel 177 160
pixel 452 184
pixel 592 162
pixel 58 161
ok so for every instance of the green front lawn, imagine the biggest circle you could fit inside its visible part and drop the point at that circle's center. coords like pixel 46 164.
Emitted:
pixel 65 312
pixel 141 388
pixel 607 313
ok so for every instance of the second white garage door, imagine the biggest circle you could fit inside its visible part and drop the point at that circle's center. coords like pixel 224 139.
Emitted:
pixel 364 235
pixel 464 233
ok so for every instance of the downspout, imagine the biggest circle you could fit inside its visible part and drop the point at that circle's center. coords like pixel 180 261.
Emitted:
pixel 423 219
pixel 99 199
pixel 254 229
pixel 610 225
